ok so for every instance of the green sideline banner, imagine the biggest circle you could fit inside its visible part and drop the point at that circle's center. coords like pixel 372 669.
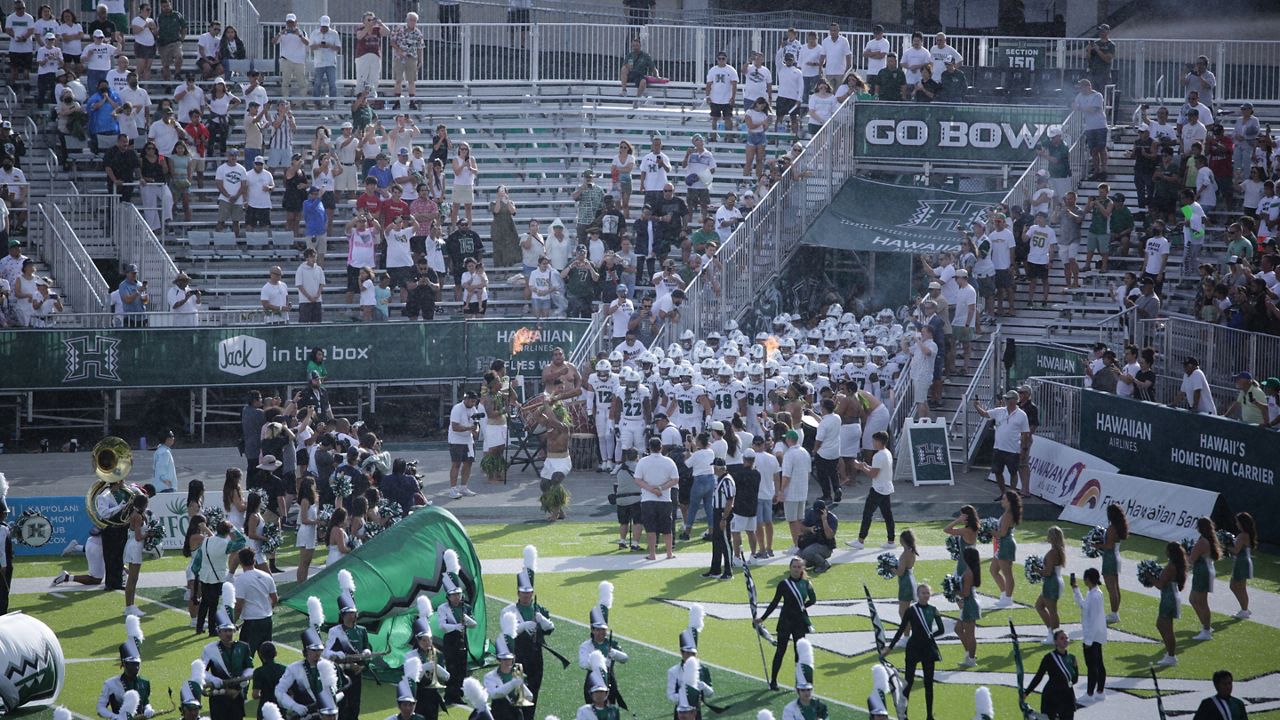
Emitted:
pixel 267 355
pixel 883 217
pixel 1043 360
pixel 1020 54
pixel 1235 460
pixel 952 131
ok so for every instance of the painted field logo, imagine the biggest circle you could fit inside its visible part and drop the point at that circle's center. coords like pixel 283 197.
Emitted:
pixel 1088 495
pixel 242 355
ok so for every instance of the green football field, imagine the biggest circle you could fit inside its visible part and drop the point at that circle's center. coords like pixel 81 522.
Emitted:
pixel 650 610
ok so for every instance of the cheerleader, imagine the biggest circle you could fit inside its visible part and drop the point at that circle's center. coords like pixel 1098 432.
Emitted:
pixel 253 526
pixel 197 531
pixel 1117 531
pixel 922 641
pixel 796 594
pixel 1051 586
pixel 133 552
pixel 308 525
pixel 336 537
pixel 965 527
pixel 906 579
pixel 1006 547
pixel 970 581
pixel 1205 552
pixel 1171 581
pixel 233 502
pixel 1242 569
pixel 359 530
pixel 195 498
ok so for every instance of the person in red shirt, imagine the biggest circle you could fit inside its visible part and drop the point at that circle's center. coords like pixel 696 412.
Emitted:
pixel 1219 147
pixel 199 134
pixel 370 201
pixel 393 207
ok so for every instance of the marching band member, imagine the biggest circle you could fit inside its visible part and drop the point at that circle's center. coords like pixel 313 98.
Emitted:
pixel 348 647
pixel 310 684
pixel 454 619
pixel 228 662
pixel 433 675
pixel 533 624
pixel 477 698
pixel 805 706
pixel 405 690
pixel 189 693
pixel 599 707
pixel 505 684
pixel 676 685
pixel 114 689
pixel 601 640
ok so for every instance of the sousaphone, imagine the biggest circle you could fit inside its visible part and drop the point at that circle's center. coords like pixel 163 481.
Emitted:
pixel 112 461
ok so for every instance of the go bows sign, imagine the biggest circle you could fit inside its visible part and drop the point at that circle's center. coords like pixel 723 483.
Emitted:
pixel 943 131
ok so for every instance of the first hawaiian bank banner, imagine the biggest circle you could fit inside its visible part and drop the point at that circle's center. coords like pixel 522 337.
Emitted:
pixel 957 132
pixel 181 357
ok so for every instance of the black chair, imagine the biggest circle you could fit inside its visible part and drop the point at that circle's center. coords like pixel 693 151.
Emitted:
pixel 1020 83
pixel 989 81
pixel 524 448
pixel 1048 83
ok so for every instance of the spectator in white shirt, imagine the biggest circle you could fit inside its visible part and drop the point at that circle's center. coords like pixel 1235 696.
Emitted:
pixel 209 51
pixel 721 90
pixel 965 321
pixel 1195 394
pixel 837 56
pixel 914 58
pixel 292 43
pixel 309 279
pixel 875 52
pixel 1193 131
pixel 810 62
pixel 727 217
pixel 324 48
pixel 184 302
pixel 256 597
pixel 275 298
pixel 942 54
pixel 260 183
pixel 880 470
pixel 1193 103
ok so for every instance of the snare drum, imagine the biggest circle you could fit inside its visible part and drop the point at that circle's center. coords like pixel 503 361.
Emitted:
pixel 582 450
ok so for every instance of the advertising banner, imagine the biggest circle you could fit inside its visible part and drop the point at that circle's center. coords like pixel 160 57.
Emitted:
pixel 939 132
pixel 47 525
pixel 269 355
pixel 1057 469
pixel 1042 360
pixel 1234 459
pixel 171 510
pixel 1155 509
pixel 887 218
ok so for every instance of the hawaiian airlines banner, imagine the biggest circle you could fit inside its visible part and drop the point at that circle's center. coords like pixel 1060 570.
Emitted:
pixel 958 132
pixel 1056 470
pixel 1155 509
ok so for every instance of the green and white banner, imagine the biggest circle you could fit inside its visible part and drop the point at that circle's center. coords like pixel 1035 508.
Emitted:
pixel 951 131
pixel 882 217
pixel 1020 53
pixel 271 355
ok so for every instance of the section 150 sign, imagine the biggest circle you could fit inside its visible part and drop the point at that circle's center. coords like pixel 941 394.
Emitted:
pixel 943 131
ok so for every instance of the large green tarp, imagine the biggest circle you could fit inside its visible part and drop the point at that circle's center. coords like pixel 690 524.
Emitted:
pixel 868 215
pixel 390 571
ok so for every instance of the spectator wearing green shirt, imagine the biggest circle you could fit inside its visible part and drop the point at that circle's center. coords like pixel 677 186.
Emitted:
pixel 891 80
pixel 636 69
pixel 1237 244
pixel 1057 160
pixel 1099 210
pixel 1121 224
pixel 955 85
pixel 580 280
pixel 703 235
pixel 266 676
pixel 171 29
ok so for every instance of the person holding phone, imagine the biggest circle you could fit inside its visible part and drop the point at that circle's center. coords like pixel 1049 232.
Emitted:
pixel 1094 625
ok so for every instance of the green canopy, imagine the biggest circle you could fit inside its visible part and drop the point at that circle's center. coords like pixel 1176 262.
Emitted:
pixel 873 216
pixel 390 571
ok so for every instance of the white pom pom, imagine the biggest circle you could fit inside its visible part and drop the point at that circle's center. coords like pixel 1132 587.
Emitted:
pixel 531 557
pixel 982 701
pixel 60 712
pixel 197 672
pixel 606 594
pixel 424 607
pixel 804 652
pixel 271 712
pixel 697 613
pixel 328 674
pixel 129 706
pixel 451 564
pixel 133 628
pixel 596 662
pixel 413 668
pixel 508 622
pixel 346 582
pixel 475 693
pixel 315 612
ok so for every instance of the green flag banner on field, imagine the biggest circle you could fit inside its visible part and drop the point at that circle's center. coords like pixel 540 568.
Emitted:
pixel 117 358
pixel 390 571
pixel 952 131
pixel 882 217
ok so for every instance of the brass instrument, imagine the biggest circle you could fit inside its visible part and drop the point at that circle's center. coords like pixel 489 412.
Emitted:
pixel 112 461
pixel 434 683
pixel 524 694
pixel 230 686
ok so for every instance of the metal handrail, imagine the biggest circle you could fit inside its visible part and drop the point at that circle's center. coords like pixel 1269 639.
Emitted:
pixel 1123 319
pixel 984 378
pixel 140 246
pixel 74 271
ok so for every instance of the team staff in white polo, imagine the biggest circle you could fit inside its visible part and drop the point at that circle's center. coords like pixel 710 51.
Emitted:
pixel 656 474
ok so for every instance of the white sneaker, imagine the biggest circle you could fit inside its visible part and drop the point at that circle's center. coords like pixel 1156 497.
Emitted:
pixel 855 544
pixel 191 623
pixel 891 545
pixel 468 491
pixel 1004 601
pixel 1167 661
pixel 1205 634
pixel 969 662
pixel 1113 618
pixel 454 493
pixel 1244 615
pixel 133 610
pixel 1100 696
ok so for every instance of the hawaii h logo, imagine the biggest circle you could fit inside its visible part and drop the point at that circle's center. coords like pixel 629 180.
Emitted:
pixel 946 215
pixel 97 361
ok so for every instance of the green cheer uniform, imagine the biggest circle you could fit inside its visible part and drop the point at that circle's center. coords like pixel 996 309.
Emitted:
pixel 1202 576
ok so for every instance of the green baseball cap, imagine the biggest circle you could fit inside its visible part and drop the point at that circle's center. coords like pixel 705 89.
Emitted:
pixel 1271 383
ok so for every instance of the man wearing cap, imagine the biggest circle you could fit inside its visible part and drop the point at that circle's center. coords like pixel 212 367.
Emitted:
pixel 134 297
pixel 590 197
pixel 1013 438
pixel 1250 400
pixel 232 192
pixel 1195 393
pixel 619 313
pixel 723 495
pixel 793 488
pixel 228 664
pixel 48 65
pixel 259 183
pixel 324 49
pixel 1092 107
pixel 720 90
pixel 1099 55
pixel 97 56
pixel 292 44
pixel 130 678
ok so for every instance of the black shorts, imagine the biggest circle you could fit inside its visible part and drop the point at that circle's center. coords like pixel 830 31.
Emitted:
pixel 518 16
pixel 634 77
pixel 418 244
pixel 629 513
pixel 460 453
pixel 330 201
pixel 656 517
pixel 399 276
pixel 1004 279
pixel 21 61
pixel 1037 272
pixel 1020 251
pixel 144 52
pixel 724 111
pixel 353 279
pixel 1096 139
pixel 1001 460
pixel 787 106
pixel 685 487
pixel 258 216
